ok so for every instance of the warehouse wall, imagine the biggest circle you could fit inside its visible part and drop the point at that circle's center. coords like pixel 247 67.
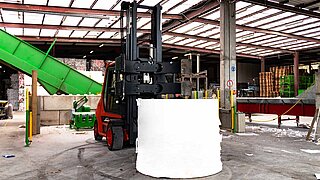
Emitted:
pixel 247 71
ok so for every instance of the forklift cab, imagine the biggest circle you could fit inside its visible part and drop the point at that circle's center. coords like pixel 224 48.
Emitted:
pixel 111 102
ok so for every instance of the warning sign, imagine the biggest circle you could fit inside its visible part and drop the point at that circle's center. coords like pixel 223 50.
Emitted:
pixel 229 83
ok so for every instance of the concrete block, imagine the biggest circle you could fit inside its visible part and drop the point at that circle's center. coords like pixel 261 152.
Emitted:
pixel 65 117
pixel 225 118
pixel 57 102
pixel 241 122
pixel 49 118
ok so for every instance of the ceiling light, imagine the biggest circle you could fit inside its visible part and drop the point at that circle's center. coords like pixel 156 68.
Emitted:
pixel 91 52
pixel 241 10
pixel 101 45
pixel 84 56
pixel 247 35
pixel 294 23
pixel 197 27
pixel 176 57
pixel 171 38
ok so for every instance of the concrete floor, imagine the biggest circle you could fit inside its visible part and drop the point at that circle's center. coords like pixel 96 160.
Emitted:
pixel 61 153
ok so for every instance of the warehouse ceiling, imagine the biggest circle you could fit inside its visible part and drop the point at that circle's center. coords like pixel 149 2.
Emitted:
pixel 264 28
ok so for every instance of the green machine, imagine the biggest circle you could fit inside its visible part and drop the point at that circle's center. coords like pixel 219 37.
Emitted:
pixel 55 76
pixel 82 117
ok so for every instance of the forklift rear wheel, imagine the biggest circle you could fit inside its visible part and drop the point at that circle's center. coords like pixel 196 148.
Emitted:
pixel 115 137
pixel 97 137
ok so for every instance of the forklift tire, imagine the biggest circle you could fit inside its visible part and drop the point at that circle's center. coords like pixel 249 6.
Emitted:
pixel 115 137
pixel 97 137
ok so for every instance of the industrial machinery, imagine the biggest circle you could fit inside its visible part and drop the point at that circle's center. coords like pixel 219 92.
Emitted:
pixel 131 77
pixel 278 106
pixel 81 115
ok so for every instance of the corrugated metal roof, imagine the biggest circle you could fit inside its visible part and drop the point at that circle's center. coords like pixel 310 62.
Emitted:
pixel 289 31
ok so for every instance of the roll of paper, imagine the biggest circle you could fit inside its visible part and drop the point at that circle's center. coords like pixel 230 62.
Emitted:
pixel 178 138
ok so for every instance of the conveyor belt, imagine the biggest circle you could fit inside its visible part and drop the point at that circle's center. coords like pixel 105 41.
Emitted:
pixel 52 74
pixel 279 106
pixel 261 100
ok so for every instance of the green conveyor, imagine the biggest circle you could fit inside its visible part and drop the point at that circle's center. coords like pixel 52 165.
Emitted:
pixel 54 75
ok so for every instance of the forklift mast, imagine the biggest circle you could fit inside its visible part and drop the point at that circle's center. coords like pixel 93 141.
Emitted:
pixel 141 77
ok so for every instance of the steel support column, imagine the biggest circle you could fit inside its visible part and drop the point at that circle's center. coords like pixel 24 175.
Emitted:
pixel 296 72
pixel 227 59
pixel 263 64
pixel 198 70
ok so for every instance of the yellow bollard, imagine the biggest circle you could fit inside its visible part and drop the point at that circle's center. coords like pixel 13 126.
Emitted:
pixel 30 127
pixel 232 112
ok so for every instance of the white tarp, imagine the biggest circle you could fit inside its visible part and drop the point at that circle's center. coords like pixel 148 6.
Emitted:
pixel 178 138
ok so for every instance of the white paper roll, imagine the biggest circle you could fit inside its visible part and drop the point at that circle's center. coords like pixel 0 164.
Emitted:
pixel 178 138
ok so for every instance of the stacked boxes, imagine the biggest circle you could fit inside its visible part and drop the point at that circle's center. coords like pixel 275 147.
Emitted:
pixel 305 82
pixel 266 84
pixel 287 86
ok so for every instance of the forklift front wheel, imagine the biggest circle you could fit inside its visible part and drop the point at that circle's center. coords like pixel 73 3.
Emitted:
pixel 97 137
pixel 115 137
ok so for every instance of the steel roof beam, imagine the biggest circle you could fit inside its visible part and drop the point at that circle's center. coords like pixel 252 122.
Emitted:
pixel 252 14
pixel 205 50
pixel 205 8
pixel 314 9
pixel 35 26
pixel 217 40
pixel 284 7
pixel 284 1
pixel 70 11
pixel 104 13
pixel 255 29
pixel 277 26
pixel 117 41
pixel 56 27
pixel 71 40
pixel 13 25
pixel 304 5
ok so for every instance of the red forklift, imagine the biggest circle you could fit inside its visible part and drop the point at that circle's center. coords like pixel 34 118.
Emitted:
pixel 133 76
